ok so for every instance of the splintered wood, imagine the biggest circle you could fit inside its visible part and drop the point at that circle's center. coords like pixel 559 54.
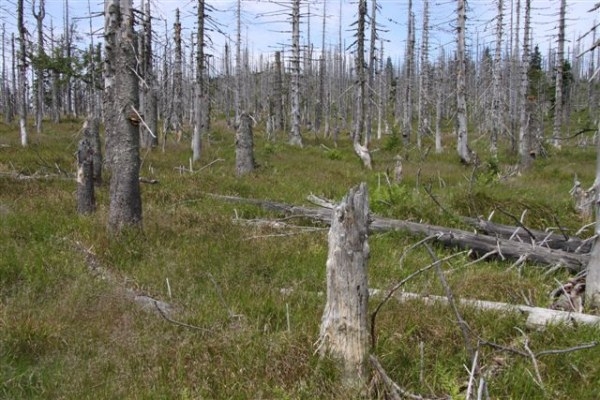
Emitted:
pixel 344 334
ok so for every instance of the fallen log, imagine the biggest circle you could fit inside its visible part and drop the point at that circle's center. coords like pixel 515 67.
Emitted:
pixel 551 240
pixel 451 237
pixel 537 317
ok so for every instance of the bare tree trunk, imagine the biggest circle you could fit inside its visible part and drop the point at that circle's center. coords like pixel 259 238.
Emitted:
pixel 560 65
pixel 344 333
pixel 410 67
pixel 22 57
pixel 149 107
pixel 199 103
pixel 238 65
pixel 524 129
pixel 359 58
pixel 39 70
pixel 91 132
pixel 592 284
pixel 295 138
pixel 496 72
pixel 86 201
pixel 7 95
pixel 244 146
pixel 371 78
pixel 177 79
pixel 120 118
pixel 278 93
pixel 461 87
pixel 423 116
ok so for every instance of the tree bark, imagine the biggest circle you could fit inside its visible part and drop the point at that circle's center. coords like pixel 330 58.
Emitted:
pixel 200 101
pixel 461 87
pixel 86 201
pixel 295 138
pixel 524 128
pixel 244 146
pixel 39 70
pixel 560 65
pixel 91 132
pixel 344 333
pixel 22 81
pixel 121 122
pixel 592 286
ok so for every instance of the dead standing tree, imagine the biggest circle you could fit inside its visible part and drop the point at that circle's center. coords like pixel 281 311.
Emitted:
pixel 344 333
pixel 461 86
pixel 244 146
pixel 121 119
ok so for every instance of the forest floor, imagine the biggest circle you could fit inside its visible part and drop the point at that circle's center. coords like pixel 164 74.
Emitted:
pixel 246 298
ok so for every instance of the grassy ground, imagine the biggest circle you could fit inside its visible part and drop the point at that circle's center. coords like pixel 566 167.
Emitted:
pixel 67 335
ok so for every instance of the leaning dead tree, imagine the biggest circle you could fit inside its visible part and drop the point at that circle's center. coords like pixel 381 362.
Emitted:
pixel 121 118
pixel 344 333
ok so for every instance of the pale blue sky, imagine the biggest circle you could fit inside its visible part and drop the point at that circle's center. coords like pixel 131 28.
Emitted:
pixel 263 31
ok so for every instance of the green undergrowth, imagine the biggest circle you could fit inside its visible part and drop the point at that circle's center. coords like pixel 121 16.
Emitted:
pixel 254 294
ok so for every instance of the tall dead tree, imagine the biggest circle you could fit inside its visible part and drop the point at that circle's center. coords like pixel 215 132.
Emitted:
pixel 295 138
pixel 39 16
pixel 177 78
pixel 524 129
pixel 121 120
pixel 461 86
pixel 22 81
pixel 371 70
pixel 560 67
pixel 424 76
pixel 344 327
pixel 359 59
pixel 408 76
pixel 497 123
pixel 149 104
pixel 200 97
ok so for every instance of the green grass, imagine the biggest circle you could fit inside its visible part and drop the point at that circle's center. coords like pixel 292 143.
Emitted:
pixel 66 334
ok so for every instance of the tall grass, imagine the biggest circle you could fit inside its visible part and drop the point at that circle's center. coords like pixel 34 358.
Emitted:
pixel 256 293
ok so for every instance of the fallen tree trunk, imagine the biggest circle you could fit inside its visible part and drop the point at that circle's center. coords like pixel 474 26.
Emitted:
pixel 479 244
pixel 537 317
pixel 551 240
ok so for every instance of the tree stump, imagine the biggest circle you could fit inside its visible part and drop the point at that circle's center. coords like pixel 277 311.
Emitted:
pixel 344 333
pixel 244 146
pixel 86 201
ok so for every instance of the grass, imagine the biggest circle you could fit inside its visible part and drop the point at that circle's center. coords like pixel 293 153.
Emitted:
pixel 65 334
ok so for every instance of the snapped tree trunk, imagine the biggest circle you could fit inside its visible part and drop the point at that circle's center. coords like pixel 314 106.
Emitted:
pixel 344 333
pixel 244 146
pixel 86 201
pixel 120 120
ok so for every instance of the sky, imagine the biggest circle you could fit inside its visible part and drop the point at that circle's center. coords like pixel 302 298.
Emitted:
pixel 266 27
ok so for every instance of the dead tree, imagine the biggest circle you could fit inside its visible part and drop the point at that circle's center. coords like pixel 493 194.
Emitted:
pixel 409 67
pixel 524 129
pixel 22 81
pixel 91 132
pixel 423 108
pixel 244 146
pixel 86 201
pixel 149 104
pixel 461 86
pixel 592 288
pixel 295 138
pixel 177 79
pixel 200 97
pixel 560 67
pixel 496 75
pixel 39 68
pixel 121 119
pixel 344 332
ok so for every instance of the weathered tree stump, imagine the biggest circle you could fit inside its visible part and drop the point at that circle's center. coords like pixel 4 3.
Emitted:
pixel 244 146
pixel 344 333
pixel 86 201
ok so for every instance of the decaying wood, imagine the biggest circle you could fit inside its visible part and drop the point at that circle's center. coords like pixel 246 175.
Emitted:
pixel 479 244
pixel 344 333
pixel 537 317
pixel 551 240
pixel 86 200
